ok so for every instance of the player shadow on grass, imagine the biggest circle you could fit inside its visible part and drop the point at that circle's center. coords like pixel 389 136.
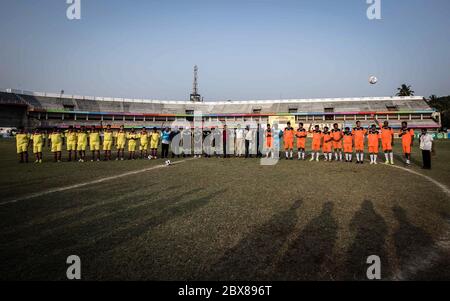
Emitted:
pixel 415 250
pixel 254 254
pixel 370 231
pixel 82 205
pixel 310 255
pixel 93 239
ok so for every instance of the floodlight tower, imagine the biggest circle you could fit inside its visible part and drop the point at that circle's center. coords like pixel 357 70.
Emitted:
pixel 195 97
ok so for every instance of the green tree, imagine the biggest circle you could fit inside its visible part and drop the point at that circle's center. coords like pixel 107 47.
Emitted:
pixel 442 105
pixel 405 90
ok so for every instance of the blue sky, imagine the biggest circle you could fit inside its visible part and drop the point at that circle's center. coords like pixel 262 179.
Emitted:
pixel 263 49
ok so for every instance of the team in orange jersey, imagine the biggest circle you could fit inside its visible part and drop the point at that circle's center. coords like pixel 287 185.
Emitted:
pixel 288 139
pixel 373 140
pixel 387 141
pixel 342 142
pixel 327 144
pixel 407 136
pixel 348 144
pixel 301 135
pixel 359 134
pixel 316 142
pixel 336 133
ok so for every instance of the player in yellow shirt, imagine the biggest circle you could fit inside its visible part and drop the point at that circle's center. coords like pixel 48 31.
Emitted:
pixel 108 140
pixel 22 141
pixel 121 139
pixel 132 138
pixel 38 142
pixel 94 144
pixel 56 141
pixel 71 142
pixel 143 143
pixel 154 143
pixel 82 141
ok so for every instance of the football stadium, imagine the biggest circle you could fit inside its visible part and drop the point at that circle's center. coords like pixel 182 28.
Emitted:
pixel 173 187
pixel 222 218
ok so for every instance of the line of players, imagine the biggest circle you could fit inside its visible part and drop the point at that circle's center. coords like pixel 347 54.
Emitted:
pixel 78 141
pixel 324 142
pixel 344 142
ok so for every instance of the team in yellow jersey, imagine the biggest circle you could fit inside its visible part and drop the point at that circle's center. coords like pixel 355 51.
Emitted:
pixel 94 144
pixel 132 138
pixel 71 142
pixel 82 141
pixel 121 140
pixel 154 142
pixel 143 145
pixel 55 143
pixel 38 139
pixel 108 139
pixel 22 141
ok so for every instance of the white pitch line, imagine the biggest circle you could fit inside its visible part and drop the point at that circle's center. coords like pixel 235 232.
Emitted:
pixel 75 186
pixel 444 188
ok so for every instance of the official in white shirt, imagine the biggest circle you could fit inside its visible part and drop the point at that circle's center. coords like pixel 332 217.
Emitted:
pixel 426 145
pixel 239 141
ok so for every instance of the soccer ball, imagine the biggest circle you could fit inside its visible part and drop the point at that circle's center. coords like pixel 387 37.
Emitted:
pixel 373 80
pixel 168 163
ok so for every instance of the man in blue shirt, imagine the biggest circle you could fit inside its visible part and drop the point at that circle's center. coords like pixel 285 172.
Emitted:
pixel 165 141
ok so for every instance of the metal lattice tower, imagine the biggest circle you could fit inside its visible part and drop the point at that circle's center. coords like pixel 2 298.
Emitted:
pixel 195 88
pixel 195 96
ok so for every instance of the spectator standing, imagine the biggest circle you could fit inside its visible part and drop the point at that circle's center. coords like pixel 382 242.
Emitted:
pixel 426 145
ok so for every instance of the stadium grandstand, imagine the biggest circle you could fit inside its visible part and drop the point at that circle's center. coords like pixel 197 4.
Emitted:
pixel 46 110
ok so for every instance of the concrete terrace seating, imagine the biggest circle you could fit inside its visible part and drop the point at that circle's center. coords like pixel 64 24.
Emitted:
pixel 8 98
pixel 91 104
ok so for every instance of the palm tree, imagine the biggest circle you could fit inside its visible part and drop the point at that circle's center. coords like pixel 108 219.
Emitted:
pixel 433 98
pixel 405 90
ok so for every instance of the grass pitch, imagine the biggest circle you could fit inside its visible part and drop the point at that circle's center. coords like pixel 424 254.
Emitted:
pixel 216 219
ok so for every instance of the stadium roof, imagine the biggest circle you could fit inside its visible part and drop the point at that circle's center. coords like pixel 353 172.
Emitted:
pixel 212 103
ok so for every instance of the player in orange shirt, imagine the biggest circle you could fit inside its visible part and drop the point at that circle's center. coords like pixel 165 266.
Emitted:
pixel 387 141
pixel 336 133
pixel 327 144
pixel 301 135
pixel 407 136
pixel 358 135
pixel 373 138
pixel 316 142
pixel 288 140
pixel 269 141
pixel 348 144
